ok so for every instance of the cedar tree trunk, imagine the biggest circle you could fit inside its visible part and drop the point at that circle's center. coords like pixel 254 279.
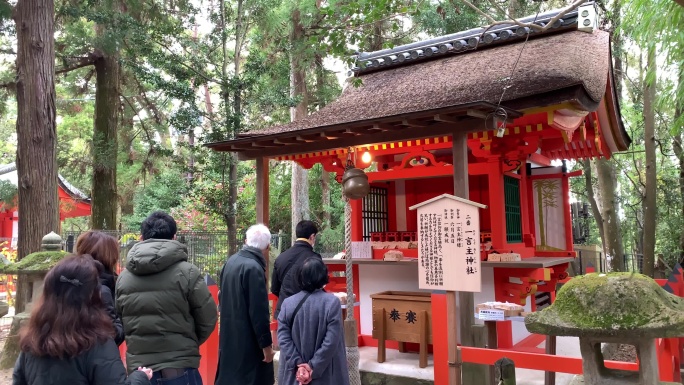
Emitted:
pixel 650 188
pixel 298 90
pixel 612 241
pixel 105 143
pixel 36 131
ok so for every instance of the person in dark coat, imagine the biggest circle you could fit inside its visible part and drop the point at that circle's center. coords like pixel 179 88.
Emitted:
pixel 104 249
pixel 245 344
pixel 310 332
pixel 284 281
pixel 69 337
pixel 166 307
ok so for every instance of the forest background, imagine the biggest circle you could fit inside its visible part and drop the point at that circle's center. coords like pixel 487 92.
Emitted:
pixel 141 85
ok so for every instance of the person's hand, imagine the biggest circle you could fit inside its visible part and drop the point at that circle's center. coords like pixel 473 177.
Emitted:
pixel 147 371
pixel 268 354
pixel 304 373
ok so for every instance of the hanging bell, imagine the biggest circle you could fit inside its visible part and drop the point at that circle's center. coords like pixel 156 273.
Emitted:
pixel 355 184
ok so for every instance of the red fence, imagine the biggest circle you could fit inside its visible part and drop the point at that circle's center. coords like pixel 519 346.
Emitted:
pixel 669 350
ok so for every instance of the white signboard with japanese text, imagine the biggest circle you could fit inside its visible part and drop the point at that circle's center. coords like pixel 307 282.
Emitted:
pixel 362 250
pixel 449 244
pixel 491 315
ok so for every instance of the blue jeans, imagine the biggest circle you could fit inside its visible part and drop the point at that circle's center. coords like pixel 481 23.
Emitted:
pixel 190 377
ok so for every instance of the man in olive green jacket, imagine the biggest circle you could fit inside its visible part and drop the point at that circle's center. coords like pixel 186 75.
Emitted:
pixel 165 305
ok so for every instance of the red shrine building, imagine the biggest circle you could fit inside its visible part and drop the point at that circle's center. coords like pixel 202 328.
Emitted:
pixel 432 111
pixel 72 203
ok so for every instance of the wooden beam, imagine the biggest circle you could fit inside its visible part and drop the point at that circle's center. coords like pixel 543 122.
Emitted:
pixel 446 118
pixel 393 120
pixel 477 114
pixel 262 192
pixel 271 143
pixel 302 138
pixel 286 141
pixel 357 131
pixel 331 135
pixel 413 123
pixel 437 129
pixel 459 152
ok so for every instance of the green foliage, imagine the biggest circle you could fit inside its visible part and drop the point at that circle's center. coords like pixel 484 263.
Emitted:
pixel 8 192
pixel 165 192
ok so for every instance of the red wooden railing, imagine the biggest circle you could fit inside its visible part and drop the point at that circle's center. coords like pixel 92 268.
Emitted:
pixel 669 350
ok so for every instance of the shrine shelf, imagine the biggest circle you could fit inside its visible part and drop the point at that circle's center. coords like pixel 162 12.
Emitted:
pixel 530 263
pixel 408 253
pixel 329 261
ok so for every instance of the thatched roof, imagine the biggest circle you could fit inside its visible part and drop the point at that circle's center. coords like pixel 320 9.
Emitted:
pixel 454 89
pixel 555 64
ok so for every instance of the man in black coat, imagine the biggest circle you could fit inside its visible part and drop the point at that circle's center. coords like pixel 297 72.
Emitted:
pixel 245 344
pixel 284 282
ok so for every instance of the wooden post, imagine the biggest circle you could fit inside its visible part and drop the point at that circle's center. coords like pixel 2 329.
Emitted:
pixel 505 371
pixel 459 153
pixel 262 206
pixel 492 343
pixel 382 335
pixel 262 185
pixel 550 377
pixel 423 352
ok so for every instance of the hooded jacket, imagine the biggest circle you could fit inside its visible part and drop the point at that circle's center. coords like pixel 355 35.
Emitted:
pixel 165 306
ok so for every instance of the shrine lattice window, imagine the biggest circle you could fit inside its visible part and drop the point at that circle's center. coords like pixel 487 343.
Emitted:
pixel 374 212
pixel 512 200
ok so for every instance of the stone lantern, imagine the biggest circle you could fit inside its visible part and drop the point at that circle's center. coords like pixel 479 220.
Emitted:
pixel 52 242
pixel 622 308
pixel 32 269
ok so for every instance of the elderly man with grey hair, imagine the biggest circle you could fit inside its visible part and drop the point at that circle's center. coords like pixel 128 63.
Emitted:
pixel 245 345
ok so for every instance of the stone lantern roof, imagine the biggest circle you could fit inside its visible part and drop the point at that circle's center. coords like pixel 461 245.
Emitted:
pixel 609 307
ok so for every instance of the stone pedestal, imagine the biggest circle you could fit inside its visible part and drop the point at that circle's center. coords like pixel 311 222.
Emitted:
pixel 622 308
pixel 11 350
pixel 595 372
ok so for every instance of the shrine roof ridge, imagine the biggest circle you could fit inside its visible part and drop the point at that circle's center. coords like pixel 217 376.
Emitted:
pixel 448 196
pixel 467 41
pixel 74 192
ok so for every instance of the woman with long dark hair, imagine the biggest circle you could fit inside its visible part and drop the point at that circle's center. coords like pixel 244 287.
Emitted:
pixel 310 332
pixel 69 337
pixel 104 249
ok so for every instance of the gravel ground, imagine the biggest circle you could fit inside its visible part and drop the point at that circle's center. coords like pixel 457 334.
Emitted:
pixel 624 353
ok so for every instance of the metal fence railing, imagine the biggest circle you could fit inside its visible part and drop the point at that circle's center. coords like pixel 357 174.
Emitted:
pixel 208 250
pixel 601 263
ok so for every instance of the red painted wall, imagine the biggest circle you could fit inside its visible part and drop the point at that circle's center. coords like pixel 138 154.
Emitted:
pixel 423 189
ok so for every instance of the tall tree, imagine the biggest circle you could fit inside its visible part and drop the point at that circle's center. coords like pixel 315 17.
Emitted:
pixel 298 92
pixel 36 132
pixel 105 133
pixel 650 185
pixel 608 219
pixel 678 146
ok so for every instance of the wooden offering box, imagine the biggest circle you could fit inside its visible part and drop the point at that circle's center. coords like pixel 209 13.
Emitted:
pixel 403 317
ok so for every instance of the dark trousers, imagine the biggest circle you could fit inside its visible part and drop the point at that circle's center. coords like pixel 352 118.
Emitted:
pixel 191 376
